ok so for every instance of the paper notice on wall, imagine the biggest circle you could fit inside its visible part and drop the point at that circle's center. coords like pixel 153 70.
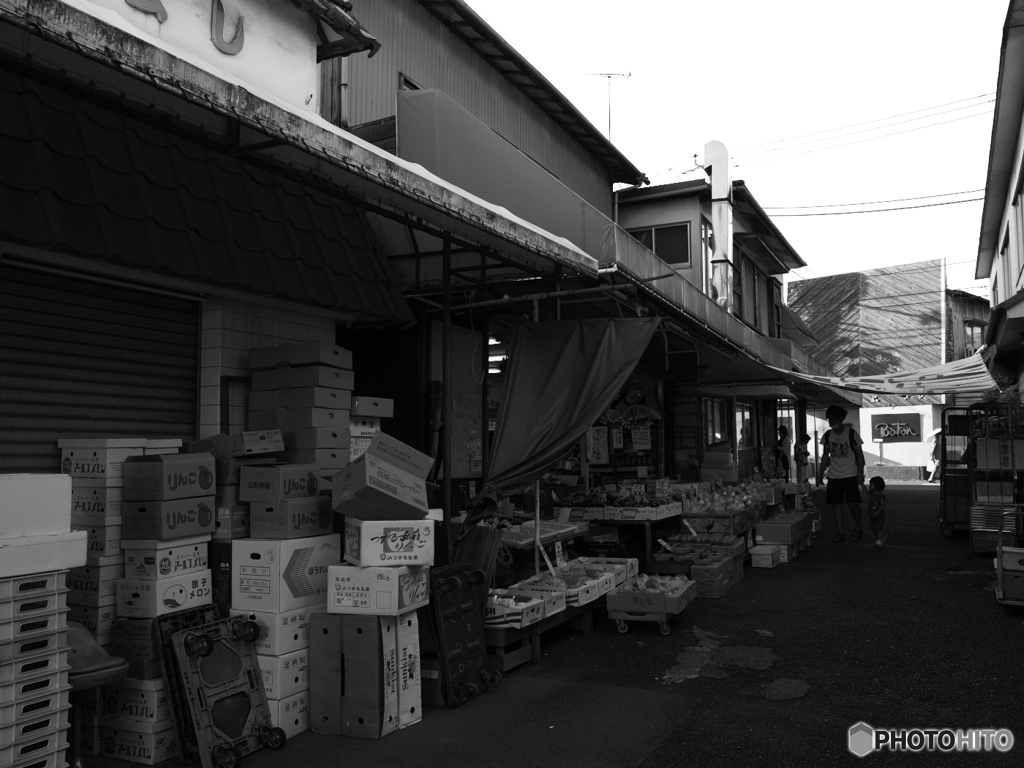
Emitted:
pixel 662 486
pixel 474 452
pixel 615 434
pixel 641 438
pixel 597 445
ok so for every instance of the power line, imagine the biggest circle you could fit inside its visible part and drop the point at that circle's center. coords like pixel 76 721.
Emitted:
pixel 873 202
pixel 881 127
pixel 869 122
pixel 880 210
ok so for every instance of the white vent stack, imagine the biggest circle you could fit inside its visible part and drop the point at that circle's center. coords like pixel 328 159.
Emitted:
pixel 716 165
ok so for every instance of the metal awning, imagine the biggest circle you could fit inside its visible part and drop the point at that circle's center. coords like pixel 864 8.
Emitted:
pixel 95 52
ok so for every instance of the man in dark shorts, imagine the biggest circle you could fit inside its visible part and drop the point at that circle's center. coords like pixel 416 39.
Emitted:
pixel 842 461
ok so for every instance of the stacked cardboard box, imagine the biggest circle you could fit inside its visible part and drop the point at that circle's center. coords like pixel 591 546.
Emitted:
pixel 96 468
pixel 371 619
pixel 37 546
pixel 367 413
pixel 305 390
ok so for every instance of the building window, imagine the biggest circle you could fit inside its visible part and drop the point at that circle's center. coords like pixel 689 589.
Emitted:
pixel 776 330
pixel 716 420
pixel 974 337
pixel 406 83
pixel 671 244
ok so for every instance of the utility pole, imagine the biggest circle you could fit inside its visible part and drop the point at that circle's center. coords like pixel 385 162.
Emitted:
pixel 608 76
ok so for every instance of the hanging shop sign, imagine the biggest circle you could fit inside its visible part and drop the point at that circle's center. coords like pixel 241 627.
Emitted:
pixel 896 428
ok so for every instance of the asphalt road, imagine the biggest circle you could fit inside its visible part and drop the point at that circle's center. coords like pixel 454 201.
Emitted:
pixel 909 636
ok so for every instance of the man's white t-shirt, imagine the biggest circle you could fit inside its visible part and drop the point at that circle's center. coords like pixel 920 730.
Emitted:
pixel 842 460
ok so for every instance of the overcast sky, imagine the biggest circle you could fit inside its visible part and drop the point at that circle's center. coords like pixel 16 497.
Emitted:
pixel 885 103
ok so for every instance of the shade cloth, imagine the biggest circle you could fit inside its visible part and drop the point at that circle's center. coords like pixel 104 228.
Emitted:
pixel 561 376
pixel 969 375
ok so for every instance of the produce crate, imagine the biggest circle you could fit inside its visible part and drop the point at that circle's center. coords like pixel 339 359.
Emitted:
pixel 765 556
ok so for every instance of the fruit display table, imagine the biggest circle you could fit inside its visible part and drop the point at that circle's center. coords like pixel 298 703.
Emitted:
pixel 509 648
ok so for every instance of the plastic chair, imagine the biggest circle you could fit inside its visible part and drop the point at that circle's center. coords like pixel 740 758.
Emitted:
pixel 91 667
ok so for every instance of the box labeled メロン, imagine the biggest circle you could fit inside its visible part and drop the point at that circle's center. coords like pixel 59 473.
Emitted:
pixel 144 599
pixel 104 534
pixel 377 591
pixel 96 581
pixel 175 519
pixel 321 352
pixel 95 500
pixel 167 477
pixel 141 700
pixel 389 542
pixel 101 458
pixel 388 482
pixel 286 674
pixel 139 742
pixel 280 633
pixel 34 505
pixel 291 519
pixel 152 560
pixel 278 482
pixel 355 689
pixel 282 575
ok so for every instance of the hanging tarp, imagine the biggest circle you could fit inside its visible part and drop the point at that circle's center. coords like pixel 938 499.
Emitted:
pixel 562 375
pixel 969 375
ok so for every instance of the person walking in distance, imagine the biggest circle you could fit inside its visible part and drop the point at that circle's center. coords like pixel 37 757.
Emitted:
pixel 842 462
pixel 783 449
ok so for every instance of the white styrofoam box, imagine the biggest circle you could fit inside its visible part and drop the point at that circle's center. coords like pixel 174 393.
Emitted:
pixel 144 599
pixel 140 700
pixel 34 504
pixel 271 483
pixel 389 542
pixel 291 715
pixel 377 591
pixel 381 407
pixel 157 559
pixel 138 741
pixel 286 674
pixel 321 352
pixel 282 575
pixel 104 533
pixel 97 580
pixel 98 457
pixel 90 498
pixel 280 632
pixel 23 555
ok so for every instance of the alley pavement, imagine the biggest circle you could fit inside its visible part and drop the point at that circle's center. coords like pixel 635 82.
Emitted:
pixel 907 636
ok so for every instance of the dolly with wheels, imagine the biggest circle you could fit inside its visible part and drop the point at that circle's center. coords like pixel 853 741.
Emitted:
pixel 661 619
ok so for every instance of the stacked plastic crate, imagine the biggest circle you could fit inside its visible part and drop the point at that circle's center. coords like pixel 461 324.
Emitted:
pixel 371 623
pixel 37 547
pixel 168 520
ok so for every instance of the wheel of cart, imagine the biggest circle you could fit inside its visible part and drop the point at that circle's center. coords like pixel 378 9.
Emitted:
pixel 621 617
pixel 1003 554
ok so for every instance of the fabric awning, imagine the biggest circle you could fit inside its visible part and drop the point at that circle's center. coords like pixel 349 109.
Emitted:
pixel 967 376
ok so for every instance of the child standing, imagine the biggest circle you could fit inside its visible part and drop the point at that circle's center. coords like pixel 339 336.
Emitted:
pixel 801 457
pixel 876 509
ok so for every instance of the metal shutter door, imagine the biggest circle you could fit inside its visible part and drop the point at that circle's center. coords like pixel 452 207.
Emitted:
pixel 89 359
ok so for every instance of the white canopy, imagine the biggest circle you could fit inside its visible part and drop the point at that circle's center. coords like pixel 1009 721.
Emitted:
pixel 969 375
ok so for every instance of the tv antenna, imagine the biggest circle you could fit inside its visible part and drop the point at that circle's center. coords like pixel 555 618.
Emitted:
pixel 608 76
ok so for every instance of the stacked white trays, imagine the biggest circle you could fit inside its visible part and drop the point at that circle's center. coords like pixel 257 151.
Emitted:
pixel 34 687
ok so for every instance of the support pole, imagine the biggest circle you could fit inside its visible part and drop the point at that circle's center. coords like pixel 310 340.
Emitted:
pixel 446 400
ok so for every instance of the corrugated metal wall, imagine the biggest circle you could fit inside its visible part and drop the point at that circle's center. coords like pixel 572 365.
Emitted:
pixel 416 44
pixel 86 359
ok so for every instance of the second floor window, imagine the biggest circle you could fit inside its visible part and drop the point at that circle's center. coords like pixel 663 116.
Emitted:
pixel 671 243
pixel 974 337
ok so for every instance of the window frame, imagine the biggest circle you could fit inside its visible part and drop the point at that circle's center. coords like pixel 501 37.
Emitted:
pixel 653 234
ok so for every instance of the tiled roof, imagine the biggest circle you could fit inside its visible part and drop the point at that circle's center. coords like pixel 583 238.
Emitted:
pixel 89 182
